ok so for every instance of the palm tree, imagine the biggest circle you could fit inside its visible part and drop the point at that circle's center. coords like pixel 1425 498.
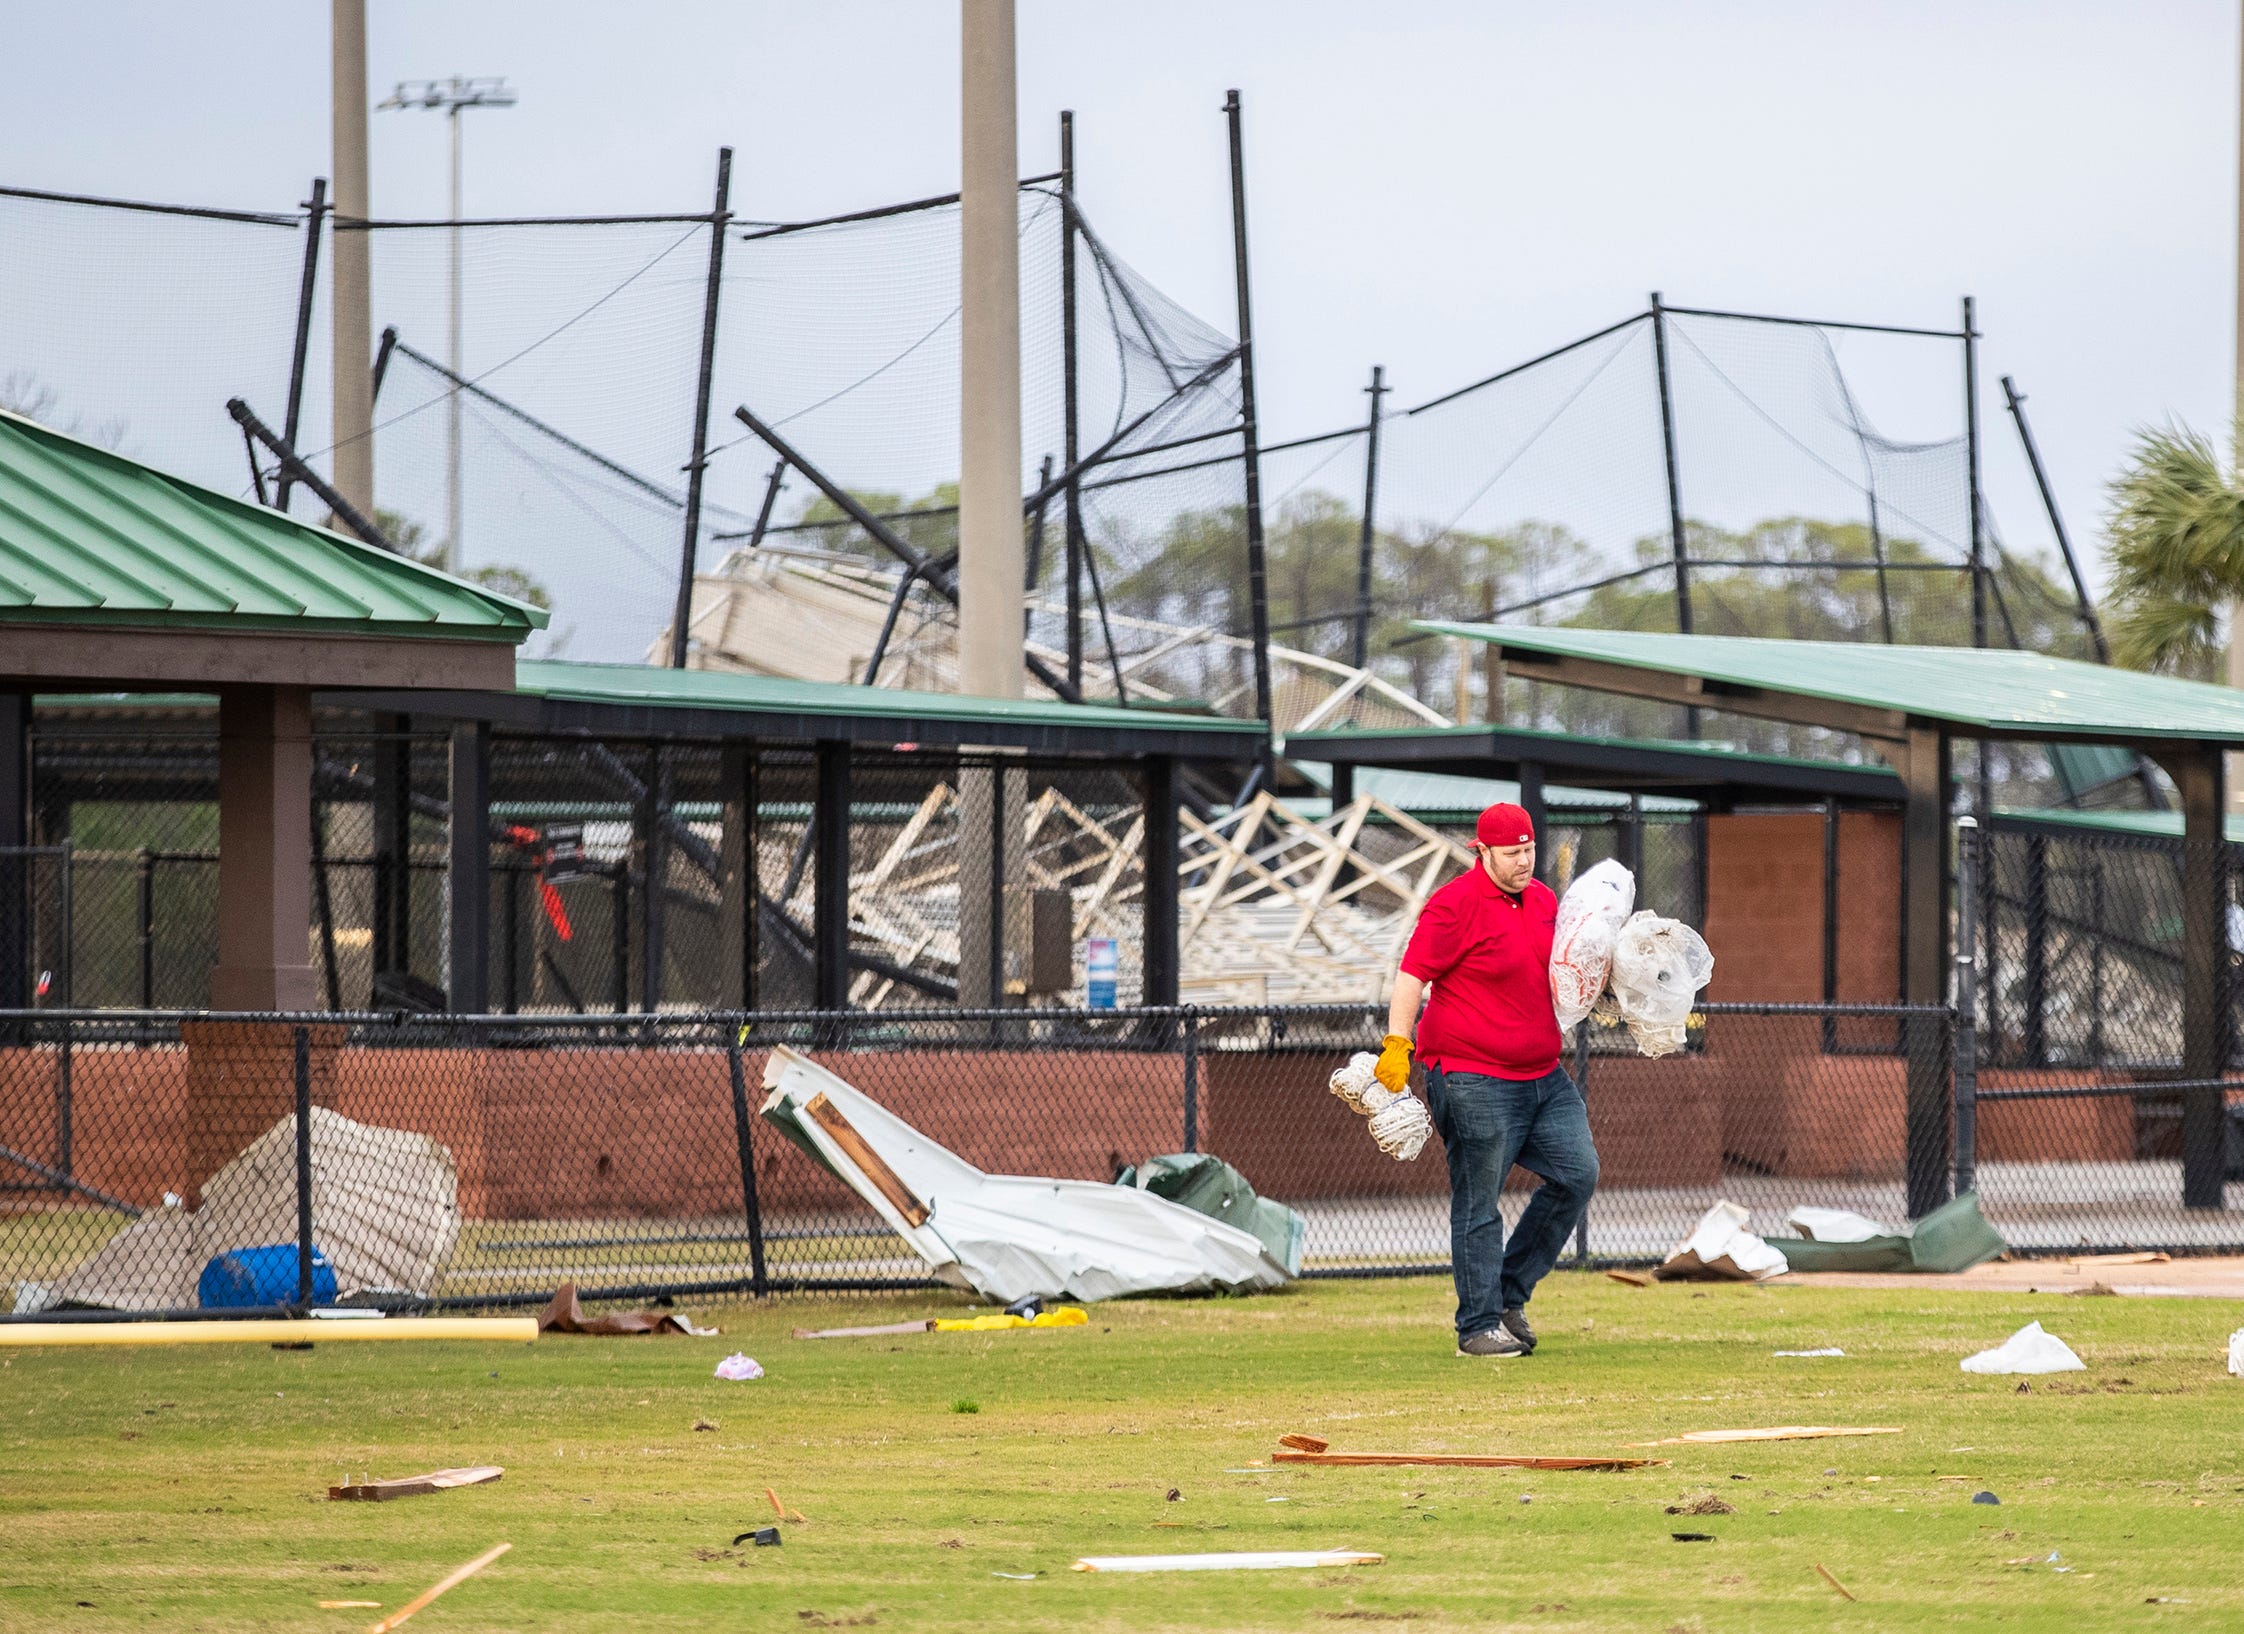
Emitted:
pixel 2177 553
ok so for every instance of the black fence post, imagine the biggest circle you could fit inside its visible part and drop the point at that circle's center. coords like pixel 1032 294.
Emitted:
pixel 1070 410
pixel 65 1101
pixel 1359 650
pixel 2037 947
pixel 1830 923
pixel 743 1128
pixel 315 213
pixel 1966 1046
pixel 145 907
pixel 1191 1042
pixel 1258 584
pixel 303 1167
pixel 619 935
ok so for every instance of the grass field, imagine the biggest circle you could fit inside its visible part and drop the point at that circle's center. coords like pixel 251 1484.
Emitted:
pixel 184 1489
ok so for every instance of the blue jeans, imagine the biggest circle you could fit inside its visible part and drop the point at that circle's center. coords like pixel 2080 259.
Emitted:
pixel 1487 1125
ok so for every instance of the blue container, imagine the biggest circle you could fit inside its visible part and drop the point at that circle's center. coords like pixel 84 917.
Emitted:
pixel 1101 966
pixel 249 1277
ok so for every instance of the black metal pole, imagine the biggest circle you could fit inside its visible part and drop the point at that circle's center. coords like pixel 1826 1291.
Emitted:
pixel 1678 541
pixel 246 418
pixel 1036 537
pixel 382 362
pixel 147 915
pixel 830 888
pixel 1581 1086
pixel 1070 449
pixel 777 481
pixel 742 1128
pixel 303 1167
pixel 1971 462
pixel 718 217
pixel 1258 578
pixel 1878 555
pixel 2094 625
pixel 1830 921
pixel 1360 652
pixel 654 873
pixel 323 899
pixel 1191 1080
pixel 1967 993
pixel 619 936
pixel 315 214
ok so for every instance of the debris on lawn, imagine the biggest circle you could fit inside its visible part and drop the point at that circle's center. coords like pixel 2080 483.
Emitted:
pixel 738 1366
pixel 414 1486
pixel 564 1315
pixel 1007 1236
pixel 1692 1537
pixel 1824 1572
pixel 2236 1352
pixel 2029 1350
pixel 348 1605
pixel 705 1424
pixel 1635 1279
pixel 396 1619
pixel 1827 1350
pixel 1985 1498
pixel 2146 1257
pixel 1304 1443
pixel 882 1330
pixel 1953 1237
pixel 763 1537
pixel 1063 1316
pixel 1706 1504
pixel 1720 1249
pixel 384 1207
pixel 1249 1561
pixel 1456 1460
pixel 1206 1184
pixel 782 1511
pixel 1018 1577
pixel 1786 1432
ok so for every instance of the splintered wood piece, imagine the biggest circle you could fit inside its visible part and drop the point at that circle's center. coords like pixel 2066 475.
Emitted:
pixel 1247 1561
pixel 1824 1572
pixel 1304 1443
pixel 348 1605
pixel 885 1180
pixel 1787 1432
pixel 398 1617
pixel 1635 1279
pixel 414 1486
pixel 1463 1460
pixel 878 1331
pixel 777 1508
pixel 2147 1258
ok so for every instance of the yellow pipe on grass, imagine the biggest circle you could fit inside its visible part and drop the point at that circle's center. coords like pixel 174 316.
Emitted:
pixel 265 1331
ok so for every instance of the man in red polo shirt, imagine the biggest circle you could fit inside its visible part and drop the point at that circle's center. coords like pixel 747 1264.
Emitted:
pixel 1490 1043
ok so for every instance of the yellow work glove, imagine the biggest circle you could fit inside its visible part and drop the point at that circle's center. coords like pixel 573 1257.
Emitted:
pixel 1393 1070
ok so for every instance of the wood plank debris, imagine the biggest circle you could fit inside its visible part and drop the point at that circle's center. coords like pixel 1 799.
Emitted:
pixel 879 1330
pixel 1787 1432
pixel 1249 1561
pixel 415 1486
pixel 1824 1572
pixel 2145 1258
pixel 1304 1443
pixel 844 1134
pixel 1463 1460
pixel 396 1619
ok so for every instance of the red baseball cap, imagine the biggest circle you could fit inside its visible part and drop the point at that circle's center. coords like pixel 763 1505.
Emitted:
pixel 1504 824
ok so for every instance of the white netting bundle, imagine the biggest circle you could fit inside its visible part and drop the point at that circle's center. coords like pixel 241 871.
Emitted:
pixel 1659 965
pixel 1590 917
pixel 1399 1121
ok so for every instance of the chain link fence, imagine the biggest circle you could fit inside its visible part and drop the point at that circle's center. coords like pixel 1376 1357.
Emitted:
pixel 469 1162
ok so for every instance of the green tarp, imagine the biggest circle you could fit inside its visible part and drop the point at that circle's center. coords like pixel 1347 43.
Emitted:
pixel 1213 1187
pixel 1953 1237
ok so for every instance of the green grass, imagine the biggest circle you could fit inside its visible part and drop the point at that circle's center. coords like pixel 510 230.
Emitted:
pixel 184 1489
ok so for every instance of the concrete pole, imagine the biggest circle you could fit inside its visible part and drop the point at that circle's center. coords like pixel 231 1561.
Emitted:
pixel 2235 778
pixel 264 850
pixel 458 365
pixel 352 431
pixel 991 559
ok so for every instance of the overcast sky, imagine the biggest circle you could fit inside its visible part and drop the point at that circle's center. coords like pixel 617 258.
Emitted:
pixel 1444 190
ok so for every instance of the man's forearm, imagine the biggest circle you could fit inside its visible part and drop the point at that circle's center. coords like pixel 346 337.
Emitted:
pixel 1403 1007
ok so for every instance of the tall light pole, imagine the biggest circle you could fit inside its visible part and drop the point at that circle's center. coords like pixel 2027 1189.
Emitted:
pixel 452 97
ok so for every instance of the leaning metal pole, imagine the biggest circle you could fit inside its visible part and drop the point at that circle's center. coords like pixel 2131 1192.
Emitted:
pixel 1070 452
pixel 719 216
pixel 1258 583
pixel 1360 648
pixel 1677 540
pixel 315 217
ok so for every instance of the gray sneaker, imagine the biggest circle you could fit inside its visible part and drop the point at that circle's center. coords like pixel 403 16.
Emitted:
pixel 1494 1342
pixel 1515 1324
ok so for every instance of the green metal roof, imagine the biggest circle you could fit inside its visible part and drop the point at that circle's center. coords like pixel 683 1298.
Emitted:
pixel 2154 825
pixel 1309 742
pixel 90 537
pixel 1981 690
pixel 1434 794
pixel 723 689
